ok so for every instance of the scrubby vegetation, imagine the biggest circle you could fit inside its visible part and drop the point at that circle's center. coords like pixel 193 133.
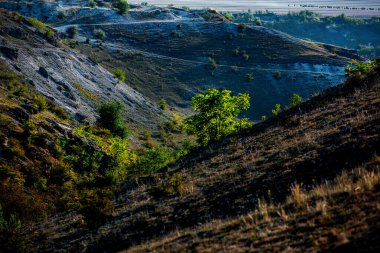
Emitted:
pixel 119 74
pixel 99 34
pixel 72 32
pixel 344 31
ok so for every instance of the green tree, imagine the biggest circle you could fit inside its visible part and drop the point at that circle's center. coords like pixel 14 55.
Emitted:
pixel 295 100
pixel 217 114
pixel 122 6
pixel 111 118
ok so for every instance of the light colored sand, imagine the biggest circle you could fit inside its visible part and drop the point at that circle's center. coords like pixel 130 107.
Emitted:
pixel 281 6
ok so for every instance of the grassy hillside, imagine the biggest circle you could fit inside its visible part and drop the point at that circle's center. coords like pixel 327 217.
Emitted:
pixel 307 179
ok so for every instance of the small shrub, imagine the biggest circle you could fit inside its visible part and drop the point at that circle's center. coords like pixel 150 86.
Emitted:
pixel 99 34
pixel 154 159
pixel 62 15
pixel 241 28
pixel 277 75
pixel 119 74
pixel 122 6
pixel 295 100
pixel 111 117
pixel 72 32
pixel 49 33
pixel 91 4
pixel 36 23
pixel 277 110
pixel 40 102
pixel 163 104
pixel 258 22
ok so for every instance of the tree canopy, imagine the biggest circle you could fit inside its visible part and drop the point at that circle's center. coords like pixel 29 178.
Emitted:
pixel 217 112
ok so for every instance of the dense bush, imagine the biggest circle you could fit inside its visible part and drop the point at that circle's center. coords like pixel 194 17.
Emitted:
pixel 99 34
pixel 122 6
pixel 36 23
pixel 111 117
pixel 91 3
pixel 72 32
pixel 119 74
pixel 295 100
pixel 163 104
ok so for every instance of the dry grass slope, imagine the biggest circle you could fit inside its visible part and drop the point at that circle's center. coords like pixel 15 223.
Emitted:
pixel 270 188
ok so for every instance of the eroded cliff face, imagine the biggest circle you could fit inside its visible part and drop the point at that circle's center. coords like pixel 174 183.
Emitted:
pixel 67 77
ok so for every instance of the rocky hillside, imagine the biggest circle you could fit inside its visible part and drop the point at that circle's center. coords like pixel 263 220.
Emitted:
pixel 173 54
pixel 307 180
pixel 70 79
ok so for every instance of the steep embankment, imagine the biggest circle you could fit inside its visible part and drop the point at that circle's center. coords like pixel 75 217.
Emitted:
pixel 69 78
pixel 197 204
pixel 173 53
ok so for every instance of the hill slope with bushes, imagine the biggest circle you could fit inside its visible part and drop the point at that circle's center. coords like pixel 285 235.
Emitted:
pixel 308 179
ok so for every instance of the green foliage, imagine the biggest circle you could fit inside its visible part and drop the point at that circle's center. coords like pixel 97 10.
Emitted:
pixel 119 74
pixel 99 34
pixel 72 32
pixel 217 114
pixel 36 23
pixel 295 100
pixel 49 33
pixel 122 6
pixel 163 104
pixel 111 118
pixel 123 160
pixel 40 102
pixel 154 159
pixel 91 3
pixel 277 110
pixel 357 69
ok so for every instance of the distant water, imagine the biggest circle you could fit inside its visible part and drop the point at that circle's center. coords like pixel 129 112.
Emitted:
pixel 359 8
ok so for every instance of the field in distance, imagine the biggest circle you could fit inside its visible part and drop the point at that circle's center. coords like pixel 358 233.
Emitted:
pixel 359 8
